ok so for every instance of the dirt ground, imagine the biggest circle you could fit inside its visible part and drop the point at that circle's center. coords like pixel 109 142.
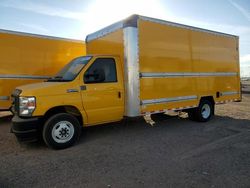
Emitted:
pixel 246 86
pixel 176 152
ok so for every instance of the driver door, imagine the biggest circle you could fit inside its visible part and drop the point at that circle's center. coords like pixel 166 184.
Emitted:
pixel 102 91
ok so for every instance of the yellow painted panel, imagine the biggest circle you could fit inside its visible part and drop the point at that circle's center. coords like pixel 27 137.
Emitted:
pixel 228 98
pixel 36 56
pixel 7 86
pixel 33 56
pixel 214 53
pixel 211 85
pixel 111 44
pixel 168 105
pixel 105 106
pixel 53 94
pixel 175 49
pixel 101 100
pixel 162 47
pixel 99 103
pixel 155 88
pixel 169 49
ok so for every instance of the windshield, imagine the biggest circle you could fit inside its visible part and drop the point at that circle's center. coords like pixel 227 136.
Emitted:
pixel 71 70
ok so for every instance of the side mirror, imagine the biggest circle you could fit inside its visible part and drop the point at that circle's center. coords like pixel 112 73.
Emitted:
pixel 97 76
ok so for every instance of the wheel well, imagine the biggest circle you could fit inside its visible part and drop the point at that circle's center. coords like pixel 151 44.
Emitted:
pixel 209 98
pixel 64 109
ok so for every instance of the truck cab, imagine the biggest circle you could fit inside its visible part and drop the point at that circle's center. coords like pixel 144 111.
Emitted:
pixel 87 91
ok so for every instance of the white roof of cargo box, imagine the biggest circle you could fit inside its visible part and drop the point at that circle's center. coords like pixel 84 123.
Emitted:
pixel 132 22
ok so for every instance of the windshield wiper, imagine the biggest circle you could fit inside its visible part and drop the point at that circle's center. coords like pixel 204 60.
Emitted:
pixel 57 79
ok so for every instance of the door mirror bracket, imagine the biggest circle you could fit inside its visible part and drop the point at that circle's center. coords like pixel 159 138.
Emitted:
pixel 97 76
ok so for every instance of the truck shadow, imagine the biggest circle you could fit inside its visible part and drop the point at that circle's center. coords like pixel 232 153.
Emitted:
pixel 5 119
pixel 136 128
pixel 163 123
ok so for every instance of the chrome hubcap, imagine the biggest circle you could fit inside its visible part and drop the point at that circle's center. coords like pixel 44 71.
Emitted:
pixel 205 111
pixel 63 131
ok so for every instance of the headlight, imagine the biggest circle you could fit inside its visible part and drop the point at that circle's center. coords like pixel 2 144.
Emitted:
pixel 27 105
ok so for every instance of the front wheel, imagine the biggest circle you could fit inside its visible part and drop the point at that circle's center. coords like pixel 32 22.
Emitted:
pixel 61 131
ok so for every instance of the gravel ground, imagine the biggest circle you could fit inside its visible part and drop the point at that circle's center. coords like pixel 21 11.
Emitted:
pixel 176 152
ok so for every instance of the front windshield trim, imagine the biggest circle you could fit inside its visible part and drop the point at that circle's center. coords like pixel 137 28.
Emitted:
pixel 60 76
pixel 90 57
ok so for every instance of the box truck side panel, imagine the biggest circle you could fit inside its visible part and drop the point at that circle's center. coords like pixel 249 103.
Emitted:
pixel 163 47
pixel 58 55
pixel 171 66
pixel 179 65
pixel 219 56
pixel 165 50
pixel 213 53
pixel 27 58
pixel 35 56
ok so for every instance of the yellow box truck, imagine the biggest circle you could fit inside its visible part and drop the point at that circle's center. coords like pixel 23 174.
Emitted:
pixel 135 67
pixel 27 58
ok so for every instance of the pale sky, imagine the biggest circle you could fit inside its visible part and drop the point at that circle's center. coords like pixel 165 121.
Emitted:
pixel 77 18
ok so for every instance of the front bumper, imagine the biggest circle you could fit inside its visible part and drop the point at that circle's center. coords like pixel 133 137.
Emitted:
pixel 26 129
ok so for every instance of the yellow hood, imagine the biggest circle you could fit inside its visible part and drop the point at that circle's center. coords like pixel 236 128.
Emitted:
pixel 46 88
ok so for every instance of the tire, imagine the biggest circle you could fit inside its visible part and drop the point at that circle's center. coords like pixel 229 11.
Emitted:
pixel 61 131
pixel 191 114
pixel 203 112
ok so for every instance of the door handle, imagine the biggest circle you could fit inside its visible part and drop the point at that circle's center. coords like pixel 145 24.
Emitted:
pixel 119 94
pixel 83 88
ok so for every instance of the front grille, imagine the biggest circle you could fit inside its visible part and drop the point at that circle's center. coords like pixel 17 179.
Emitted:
pixel 15 100
pixel 16 92
pixel 15 104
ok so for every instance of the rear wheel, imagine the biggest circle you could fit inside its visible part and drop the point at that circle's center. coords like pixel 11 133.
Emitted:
pixel 203 112
pixel 191 114
pixel 61 131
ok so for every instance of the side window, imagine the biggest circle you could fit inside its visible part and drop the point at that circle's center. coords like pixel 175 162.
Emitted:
pixel 103 70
